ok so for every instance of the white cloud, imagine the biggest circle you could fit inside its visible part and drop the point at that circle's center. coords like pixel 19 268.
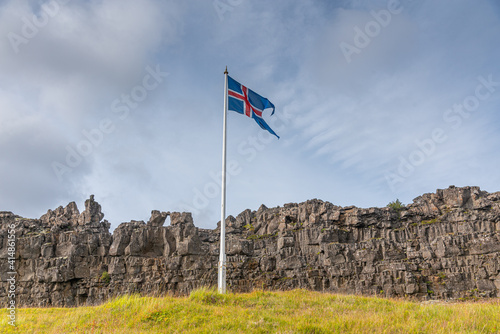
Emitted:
pixel 349 122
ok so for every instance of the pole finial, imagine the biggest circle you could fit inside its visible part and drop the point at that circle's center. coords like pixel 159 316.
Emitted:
pixel 226 72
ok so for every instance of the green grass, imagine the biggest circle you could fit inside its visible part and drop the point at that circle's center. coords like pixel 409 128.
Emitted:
pixel 428 222
pixel 298 311
pixel 396 205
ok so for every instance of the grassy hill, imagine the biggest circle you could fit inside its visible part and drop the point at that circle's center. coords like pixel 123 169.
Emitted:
pixel 298 311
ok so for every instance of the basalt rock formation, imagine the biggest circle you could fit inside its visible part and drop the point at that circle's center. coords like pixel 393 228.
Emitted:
pixel 443 245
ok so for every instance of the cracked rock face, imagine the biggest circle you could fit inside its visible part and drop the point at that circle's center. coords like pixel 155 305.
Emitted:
pixel 444 245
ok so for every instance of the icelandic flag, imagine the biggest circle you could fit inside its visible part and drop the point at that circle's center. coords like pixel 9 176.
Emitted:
pixel 245 101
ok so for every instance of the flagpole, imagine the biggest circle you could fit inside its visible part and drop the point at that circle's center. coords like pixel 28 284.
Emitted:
pixel 222 257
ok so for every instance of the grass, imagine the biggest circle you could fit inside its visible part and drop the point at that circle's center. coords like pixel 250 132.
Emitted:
pixel 428 222
pixel 297 311
pixel 396 205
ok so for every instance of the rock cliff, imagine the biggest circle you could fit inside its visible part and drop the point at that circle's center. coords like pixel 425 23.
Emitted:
pixel 443 245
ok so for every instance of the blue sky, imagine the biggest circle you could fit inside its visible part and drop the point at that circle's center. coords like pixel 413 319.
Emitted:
pixel 375 100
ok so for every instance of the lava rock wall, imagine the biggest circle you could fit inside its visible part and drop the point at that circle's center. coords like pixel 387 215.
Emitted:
pixel 444 245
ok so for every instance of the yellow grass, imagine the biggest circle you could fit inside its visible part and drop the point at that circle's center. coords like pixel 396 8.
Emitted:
pixel 298 311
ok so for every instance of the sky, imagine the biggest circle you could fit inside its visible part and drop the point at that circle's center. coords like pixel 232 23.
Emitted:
pixel 123 99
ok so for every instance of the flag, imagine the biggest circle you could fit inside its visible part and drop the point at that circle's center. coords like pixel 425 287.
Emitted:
pixel 245 101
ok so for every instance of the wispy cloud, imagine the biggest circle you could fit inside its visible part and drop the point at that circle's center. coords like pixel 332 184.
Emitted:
pixel 350 122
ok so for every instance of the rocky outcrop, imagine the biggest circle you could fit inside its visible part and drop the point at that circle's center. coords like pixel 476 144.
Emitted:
pixel 444 245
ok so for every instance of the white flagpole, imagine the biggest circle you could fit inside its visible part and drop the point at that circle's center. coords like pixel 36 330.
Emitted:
pixel 222 257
